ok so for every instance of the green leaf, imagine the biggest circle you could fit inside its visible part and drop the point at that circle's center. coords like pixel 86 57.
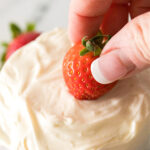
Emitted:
pixel 15 29
pixel 3 55
pixel 2 59
pixel 84 40
pixel 95 44
pixel 89 46
pixel 30 27
pixel 97 52
pixel 83 52
pixel 4 44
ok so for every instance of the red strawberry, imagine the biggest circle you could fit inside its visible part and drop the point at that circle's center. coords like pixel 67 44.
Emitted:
pixel 77 72
pixel 20 39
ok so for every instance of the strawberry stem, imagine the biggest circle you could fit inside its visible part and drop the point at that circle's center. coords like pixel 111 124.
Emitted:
pixel 95 44
pixel 15 30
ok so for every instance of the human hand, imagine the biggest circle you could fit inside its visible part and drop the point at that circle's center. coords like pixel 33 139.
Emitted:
pixel 128 51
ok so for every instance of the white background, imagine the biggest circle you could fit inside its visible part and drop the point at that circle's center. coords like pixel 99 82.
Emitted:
pixel 46 13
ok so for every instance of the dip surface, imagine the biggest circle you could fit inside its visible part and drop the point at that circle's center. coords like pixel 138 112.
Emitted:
pixel 38 113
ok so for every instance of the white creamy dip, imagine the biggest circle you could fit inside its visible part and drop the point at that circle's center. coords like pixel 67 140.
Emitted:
pixel 38 113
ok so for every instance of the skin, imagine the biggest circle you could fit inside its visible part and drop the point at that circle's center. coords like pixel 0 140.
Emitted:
pixel 128 52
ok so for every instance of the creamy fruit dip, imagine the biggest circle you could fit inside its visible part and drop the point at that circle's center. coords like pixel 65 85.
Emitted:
pixel 38 113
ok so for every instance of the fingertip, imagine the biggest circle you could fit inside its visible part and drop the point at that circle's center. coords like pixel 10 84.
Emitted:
pixel 80 26
pixel 73 36
pixel 73 28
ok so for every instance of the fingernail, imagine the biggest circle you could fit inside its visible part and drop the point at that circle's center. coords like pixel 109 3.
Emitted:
pixel 111 67
pixel 97 73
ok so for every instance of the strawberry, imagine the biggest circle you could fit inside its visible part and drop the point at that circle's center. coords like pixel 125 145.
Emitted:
pixel 20 38
pixel 76 68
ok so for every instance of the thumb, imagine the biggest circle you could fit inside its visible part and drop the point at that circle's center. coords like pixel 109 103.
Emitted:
pixel 127 53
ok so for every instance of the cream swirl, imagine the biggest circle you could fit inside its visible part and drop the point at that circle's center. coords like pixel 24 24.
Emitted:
pixel 38 113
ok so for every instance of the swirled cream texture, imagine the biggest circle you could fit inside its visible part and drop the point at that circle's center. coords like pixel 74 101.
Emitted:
pixel 38 113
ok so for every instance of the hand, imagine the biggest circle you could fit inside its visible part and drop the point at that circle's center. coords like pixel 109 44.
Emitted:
pixel 128 51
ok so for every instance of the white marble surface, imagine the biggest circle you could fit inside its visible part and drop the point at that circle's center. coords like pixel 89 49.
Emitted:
pixel 47 14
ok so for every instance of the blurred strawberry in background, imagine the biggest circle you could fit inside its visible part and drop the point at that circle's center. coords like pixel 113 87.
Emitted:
pixel 19 38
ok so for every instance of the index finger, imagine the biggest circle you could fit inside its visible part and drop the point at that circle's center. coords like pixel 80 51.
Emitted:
pixel 85 17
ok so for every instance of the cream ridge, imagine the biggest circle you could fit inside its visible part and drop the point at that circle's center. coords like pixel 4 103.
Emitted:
pixel 38 113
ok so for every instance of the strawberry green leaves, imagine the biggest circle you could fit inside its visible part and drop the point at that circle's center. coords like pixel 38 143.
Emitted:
pixel 84 51
pixel 30 27
pixel 15 30
pixel 3 54
pixel 95 44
